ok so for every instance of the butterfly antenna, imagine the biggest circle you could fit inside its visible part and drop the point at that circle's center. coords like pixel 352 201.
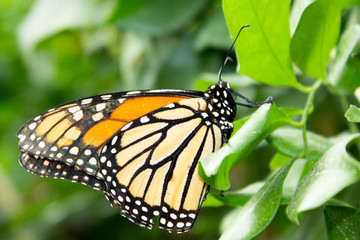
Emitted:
pixel 228 53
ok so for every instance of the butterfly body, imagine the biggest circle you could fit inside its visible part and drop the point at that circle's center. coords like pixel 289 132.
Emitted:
pixel 141 148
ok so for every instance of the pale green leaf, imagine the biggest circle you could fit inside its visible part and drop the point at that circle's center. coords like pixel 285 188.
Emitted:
pixel 344 73
pixel 48 17
pixel 353 114
pixel 258 212
pixel 332 173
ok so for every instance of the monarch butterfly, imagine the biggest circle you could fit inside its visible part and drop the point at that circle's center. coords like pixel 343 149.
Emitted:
pixel 141 148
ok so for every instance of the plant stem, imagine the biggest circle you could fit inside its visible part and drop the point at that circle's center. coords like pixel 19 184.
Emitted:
pixel 304 118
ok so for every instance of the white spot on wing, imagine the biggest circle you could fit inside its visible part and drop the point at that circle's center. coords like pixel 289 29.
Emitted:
pixel 97 116
pixel 106 97
pixel 80 162
pixel 74 109
pixel 180 225
pixel 87 152
pixel 103 159
pixel 74 150
pixel 171 105
pixel 100 106
pixel 126 126
pixel 133 93
pixel 32 126
pixel 93 161
pixel 144 119
pixel 22 138
pixel 41 144
pixel 78 115
pixel 113 141
pixel 32 137
pixel 86 101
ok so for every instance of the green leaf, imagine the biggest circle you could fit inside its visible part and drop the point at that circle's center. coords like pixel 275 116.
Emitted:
pixel 293 179
pixel 316 34
pixel 241 196
pixel 345 70
pixel 214 169
pixel 214 33
pixel 125 8
pixel 353 114
pixel 297 9
pixel 289 141
pixel 279 160
pixel 262 49
pixel 49 17
pixel 236 80
pixel 258 212
pixel 342 222
pixel 159 17
pixel 332 173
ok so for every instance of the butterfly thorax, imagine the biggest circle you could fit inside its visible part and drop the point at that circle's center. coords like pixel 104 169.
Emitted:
pixel 222 106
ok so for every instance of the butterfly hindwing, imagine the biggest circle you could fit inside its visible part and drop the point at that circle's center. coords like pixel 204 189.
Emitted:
pixel 55 169
pixel 150 165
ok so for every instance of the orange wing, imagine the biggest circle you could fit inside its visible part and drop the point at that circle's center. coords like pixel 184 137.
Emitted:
pixel 141 151
pixel 73 133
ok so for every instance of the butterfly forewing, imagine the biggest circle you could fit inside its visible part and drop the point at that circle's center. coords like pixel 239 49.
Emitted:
pixel 74 132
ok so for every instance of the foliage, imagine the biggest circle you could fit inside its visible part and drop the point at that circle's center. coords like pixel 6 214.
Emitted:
pixel 292 162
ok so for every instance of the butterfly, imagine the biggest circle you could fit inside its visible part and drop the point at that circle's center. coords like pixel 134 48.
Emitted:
pixel 140 148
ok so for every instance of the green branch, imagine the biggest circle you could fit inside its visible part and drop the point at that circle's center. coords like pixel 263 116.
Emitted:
pixel 304 118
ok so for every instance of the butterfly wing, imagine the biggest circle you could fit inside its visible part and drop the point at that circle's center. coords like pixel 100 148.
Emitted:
pixel 140 148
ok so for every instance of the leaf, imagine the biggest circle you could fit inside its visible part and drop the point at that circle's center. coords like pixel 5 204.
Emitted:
pixel 345 70
pixel 241 196
pixel 289 142
pixel 259 211
pixel 125 8
pixel 279 160
pixel 214 33
pixel 342 222
pixel 236 81
pixel 332 173
pixel 297 9
pixel 159 17
pixel 262 49
pixel 316 34
pixel 214 169
pixel 48 17
pixel 353 114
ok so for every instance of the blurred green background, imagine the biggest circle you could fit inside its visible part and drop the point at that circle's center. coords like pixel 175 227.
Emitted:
pixel 53 51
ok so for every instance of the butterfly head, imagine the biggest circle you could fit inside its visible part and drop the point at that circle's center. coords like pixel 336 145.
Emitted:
pixel 223 106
